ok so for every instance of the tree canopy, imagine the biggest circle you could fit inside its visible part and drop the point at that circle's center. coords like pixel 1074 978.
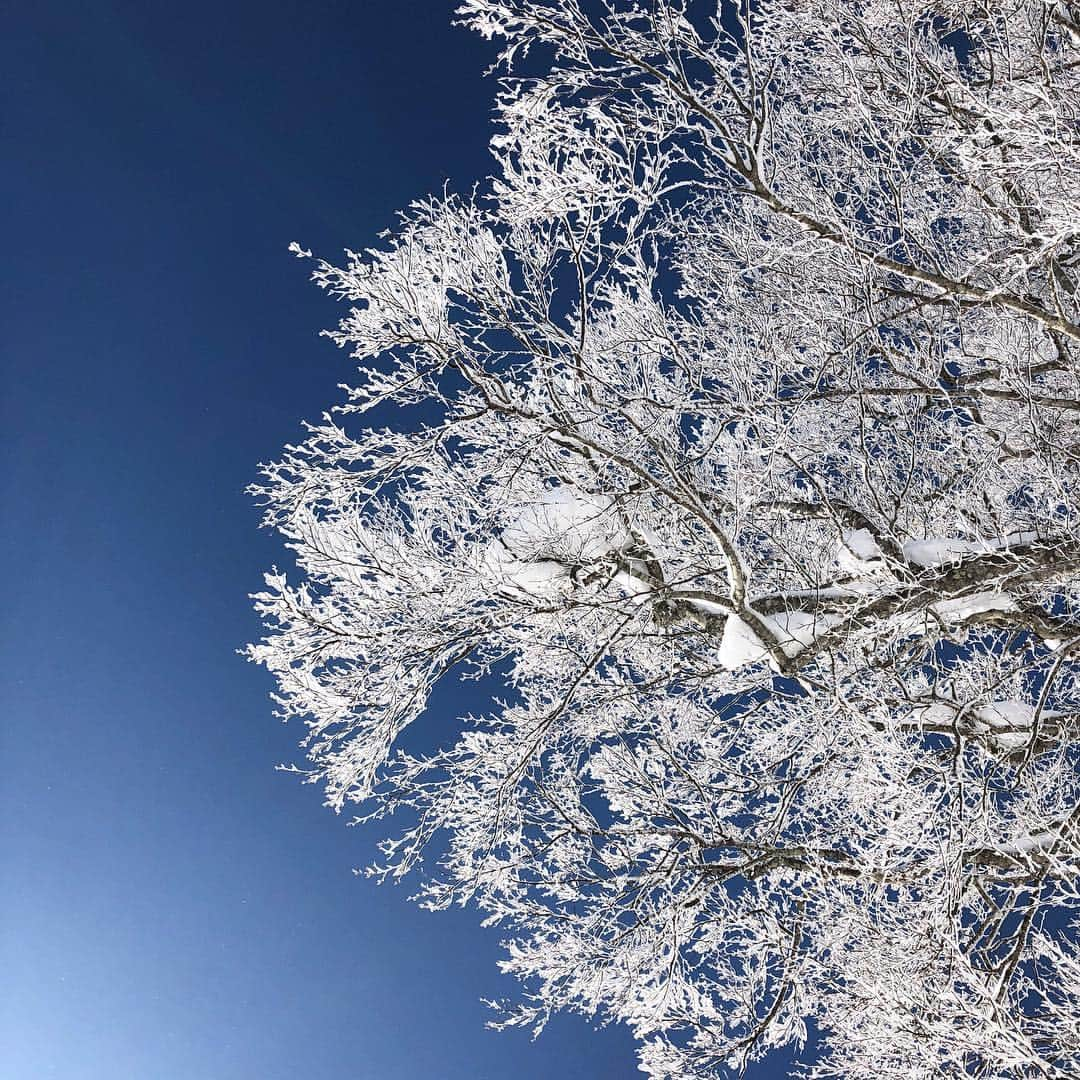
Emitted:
pixel 729 437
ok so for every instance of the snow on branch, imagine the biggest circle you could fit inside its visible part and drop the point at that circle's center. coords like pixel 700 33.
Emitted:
pixel 726 444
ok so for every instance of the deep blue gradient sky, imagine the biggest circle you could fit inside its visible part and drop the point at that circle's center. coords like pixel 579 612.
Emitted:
pixel 171 907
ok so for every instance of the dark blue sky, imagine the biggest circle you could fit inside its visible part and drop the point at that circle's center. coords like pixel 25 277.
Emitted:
pixel 172 907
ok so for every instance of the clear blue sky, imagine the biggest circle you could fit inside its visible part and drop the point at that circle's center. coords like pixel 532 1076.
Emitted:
pixel 171 907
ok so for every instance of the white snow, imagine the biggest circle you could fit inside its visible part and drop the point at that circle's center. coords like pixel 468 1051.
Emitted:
pixel 964 607
pixel 1018 715
pixel 569 524
pixel 798 630
pixel 540 577
pixel 859 553
pixel 637 590
pixel 708 606
pixel 940 712
pixel 1011 713
pixel 739 645
pixel 937 551
pixel 564 527
pixel 1026 844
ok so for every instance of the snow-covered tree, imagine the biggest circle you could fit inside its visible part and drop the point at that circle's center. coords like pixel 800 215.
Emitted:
pixel 729 436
